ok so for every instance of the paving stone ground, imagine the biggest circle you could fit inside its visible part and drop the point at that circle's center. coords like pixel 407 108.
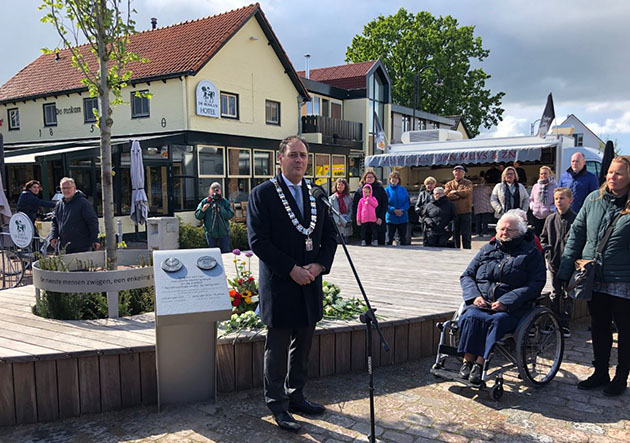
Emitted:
pixel 411 406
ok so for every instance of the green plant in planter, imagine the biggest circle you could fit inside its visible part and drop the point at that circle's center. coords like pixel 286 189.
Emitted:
pixel 91 305
pixel 192 237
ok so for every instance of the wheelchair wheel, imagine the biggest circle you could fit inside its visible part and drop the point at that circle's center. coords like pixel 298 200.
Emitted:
pixel 539 347
pixel 11 268
pixel 497 391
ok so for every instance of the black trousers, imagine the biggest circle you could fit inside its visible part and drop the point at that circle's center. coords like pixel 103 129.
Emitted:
pixel 561 303
pixel 286 365
pixel 604 309
pixel 481 223
pixel 402 233
pixel 537 223
pixel 463 226
pixel 369 232
pixel 381 232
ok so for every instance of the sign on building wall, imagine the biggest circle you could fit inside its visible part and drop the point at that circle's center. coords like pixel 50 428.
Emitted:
pixel 207 99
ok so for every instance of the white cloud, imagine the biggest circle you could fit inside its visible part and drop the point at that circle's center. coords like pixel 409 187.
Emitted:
pixel 617 125
pixel 510 127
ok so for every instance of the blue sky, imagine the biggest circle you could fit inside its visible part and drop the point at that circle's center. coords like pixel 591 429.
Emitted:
pixel 575 49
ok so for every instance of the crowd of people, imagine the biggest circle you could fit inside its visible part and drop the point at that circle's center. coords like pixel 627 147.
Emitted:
pixel 294 237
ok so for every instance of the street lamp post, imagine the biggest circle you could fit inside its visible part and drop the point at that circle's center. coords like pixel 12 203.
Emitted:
pixel 438 82
pixel 533 125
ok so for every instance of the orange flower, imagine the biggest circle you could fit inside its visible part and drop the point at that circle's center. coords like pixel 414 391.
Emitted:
pixel 232 292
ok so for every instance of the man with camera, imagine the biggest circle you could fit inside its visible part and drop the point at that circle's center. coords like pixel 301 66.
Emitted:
pixel 215 212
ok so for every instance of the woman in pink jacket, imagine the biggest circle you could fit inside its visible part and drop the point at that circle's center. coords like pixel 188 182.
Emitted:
pixel 541 199
pixel 366 215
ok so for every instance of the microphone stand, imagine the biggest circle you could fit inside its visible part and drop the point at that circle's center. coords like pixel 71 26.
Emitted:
pixel 368 318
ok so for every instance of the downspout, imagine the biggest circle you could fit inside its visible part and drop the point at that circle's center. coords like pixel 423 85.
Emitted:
pixel 185 103
pixel 300 101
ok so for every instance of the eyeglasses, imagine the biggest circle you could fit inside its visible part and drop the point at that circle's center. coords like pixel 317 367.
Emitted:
pixel 506 230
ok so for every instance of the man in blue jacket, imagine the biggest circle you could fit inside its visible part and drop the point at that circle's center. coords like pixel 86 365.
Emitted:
pixel 74 223
pixel 579 181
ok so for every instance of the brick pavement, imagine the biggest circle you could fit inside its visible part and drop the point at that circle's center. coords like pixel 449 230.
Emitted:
pixel 411 406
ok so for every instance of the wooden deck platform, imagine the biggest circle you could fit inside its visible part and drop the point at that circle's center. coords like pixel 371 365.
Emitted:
pixel 53 368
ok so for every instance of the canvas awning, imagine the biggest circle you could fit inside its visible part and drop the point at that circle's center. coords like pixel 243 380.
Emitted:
pixel 32 156
pixel 443 157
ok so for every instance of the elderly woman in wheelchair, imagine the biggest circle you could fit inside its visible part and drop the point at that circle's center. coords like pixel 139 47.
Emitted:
pixel 500 287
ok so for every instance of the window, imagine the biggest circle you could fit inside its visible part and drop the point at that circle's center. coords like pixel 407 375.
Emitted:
pixel 335 110
pixel 272 112
pixel 229 105
pixel 184 187
pixel 239 162
pixel 338 166
pixel 406 123
pixel 263 162
pixel 322 165
pixel 50 114
pixel 594 167
pixel 90 104
pixel 140 105
pixel 14 119
pixel 211 162
pixel 579 139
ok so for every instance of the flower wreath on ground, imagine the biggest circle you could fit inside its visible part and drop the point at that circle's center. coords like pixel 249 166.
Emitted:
pixel 243 290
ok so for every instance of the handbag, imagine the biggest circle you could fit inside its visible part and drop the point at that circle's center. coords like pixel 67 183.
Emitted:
pixel 580 286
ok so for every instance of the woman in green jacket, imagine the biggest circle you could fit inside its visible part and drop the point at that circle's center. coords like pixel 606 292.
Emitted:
pixel 215 212
pixel 611 293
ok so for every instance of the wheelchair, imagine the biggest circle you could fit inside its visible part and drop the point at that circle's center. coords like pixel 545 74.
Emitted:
pixel 535 348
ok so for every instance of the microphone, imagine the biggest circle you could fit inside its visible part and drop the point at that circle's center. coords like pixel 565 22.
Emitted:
pixel 320 194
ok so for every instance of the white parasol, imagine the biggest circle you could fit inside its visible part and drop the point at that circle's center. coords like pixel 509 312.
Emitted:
pixel 139 200
pixel 5 209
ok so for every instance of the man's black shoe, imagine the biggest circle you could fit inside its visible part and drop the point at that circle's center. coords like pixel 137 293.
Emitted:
pixel 306 407
pixel 599 378
pixel 286 421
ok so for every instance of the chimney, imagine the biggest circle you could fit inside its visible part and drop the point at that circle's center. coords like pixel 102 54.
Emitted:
pixel 153 22
pixel 307 69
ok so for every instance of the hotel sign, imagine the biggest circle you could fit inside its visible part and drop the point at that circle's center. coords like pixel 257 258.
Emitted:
pixel 207 99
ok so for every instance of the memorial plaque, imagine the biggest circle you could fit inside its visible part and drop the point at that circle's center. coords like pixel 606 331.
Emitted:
pixel 190 281
pixel 191 295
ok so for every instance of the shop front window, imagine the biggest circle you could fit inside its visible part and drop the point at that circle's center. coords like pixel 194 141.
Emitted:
pixel 263 161
pixel 184 189
pixel 238 189
pixel 239 162
pixel 211 161
pixel 338 166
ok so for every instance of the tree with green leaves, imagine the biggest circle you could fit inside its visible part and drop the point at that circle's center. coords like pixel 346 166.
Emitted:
pixel 104 26
pixel 415 48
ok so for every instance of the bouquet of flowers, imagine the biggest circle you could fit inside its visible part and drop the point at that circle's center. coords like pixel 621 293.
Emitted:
pixel 243 287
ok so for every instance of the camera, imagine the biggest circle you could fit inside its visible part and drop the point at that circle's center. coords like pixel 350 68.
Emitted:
pixel 215 197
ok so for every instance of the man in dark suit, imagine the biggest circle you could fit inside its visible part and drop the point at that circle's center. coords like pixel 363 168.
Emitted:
pixel 294 238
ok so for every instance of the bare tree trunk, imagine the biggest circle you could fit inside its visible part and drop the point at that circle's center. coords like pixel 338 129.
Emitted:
pixel 106 147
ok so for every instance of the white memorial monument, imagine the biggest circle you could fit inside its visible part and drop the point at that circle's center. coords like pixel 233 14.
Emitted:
pixel 191 295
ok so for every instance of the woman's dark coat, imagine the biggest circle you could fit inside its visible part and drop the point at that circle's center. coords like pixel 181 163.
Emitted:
pixel 279 246
pixel 587 230
pixel 438 215
pixel 29 203
pixel 511 272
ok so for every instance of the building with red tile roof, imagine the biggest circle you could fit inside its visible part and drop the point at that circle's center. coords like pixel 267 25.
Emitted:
pixel 348 76
pixel 221 94
pixel 172 51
